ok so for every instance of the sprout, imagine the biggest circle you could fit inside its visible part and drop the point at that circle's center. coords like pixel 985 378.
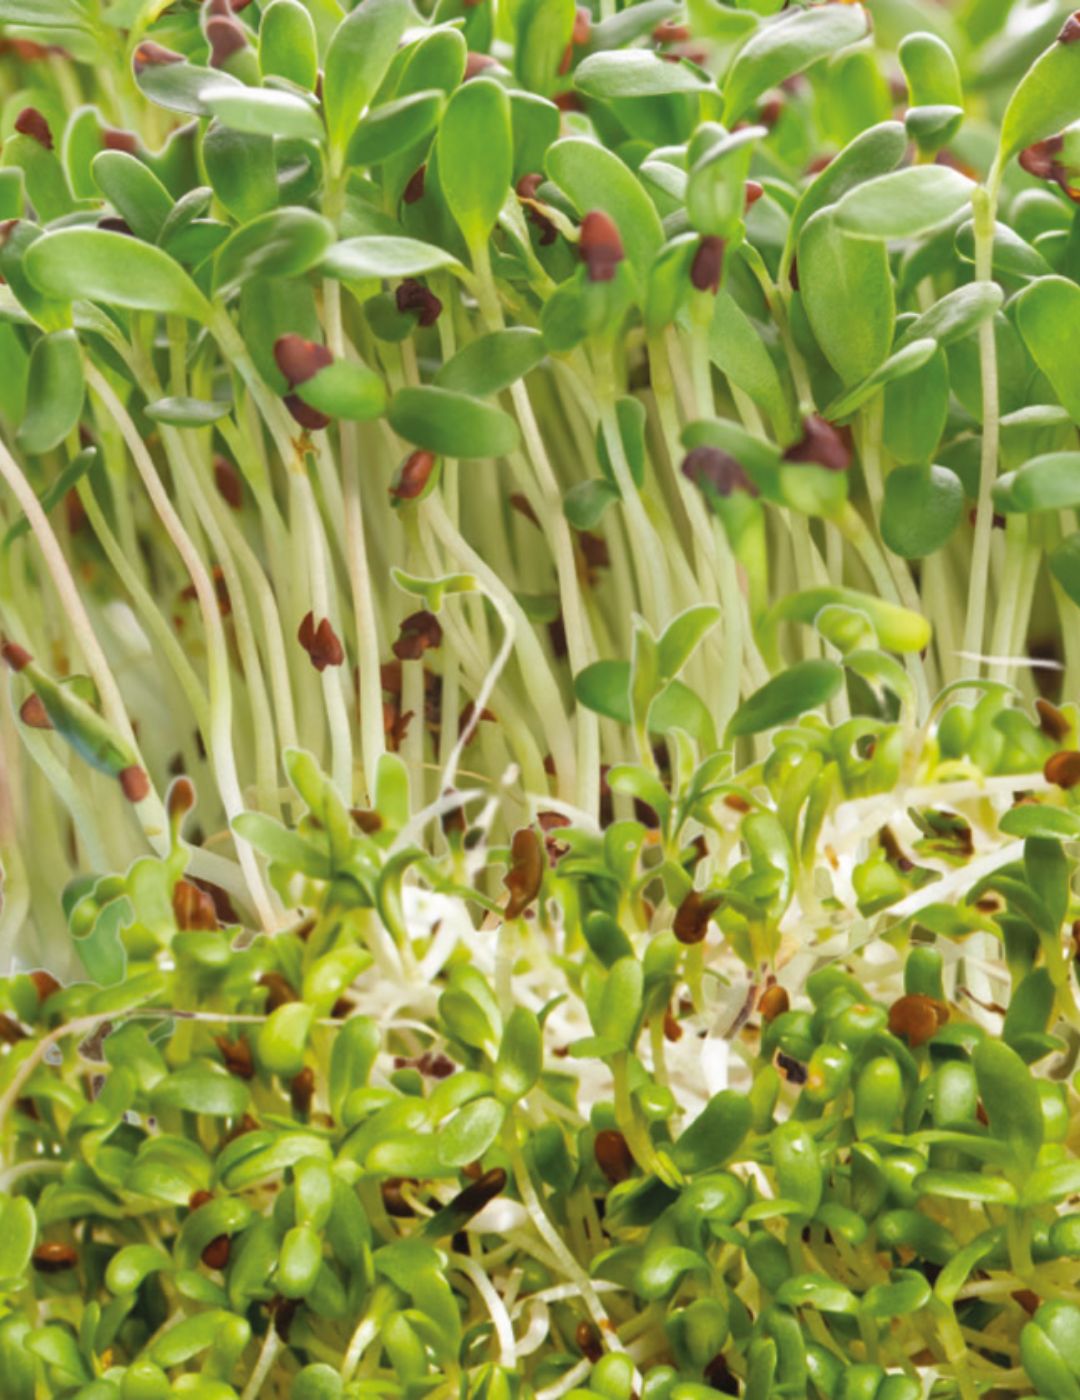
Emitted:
pixel 538 812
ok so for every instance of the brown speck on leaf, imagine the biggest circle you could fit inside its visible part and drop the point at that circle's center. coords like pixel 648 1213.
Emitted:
pixel 45 984
pixel 821 445
pixel 54 1257
pixel 368 821
pixel 193 908
pixel 692 916
pixel 670 31
pixel 216 1253
pixel 114 139
pixel 588 1341
pixel 420 631
pixel 310 419
pixel 226 37
pixel 1053 722
pixel 279 991
pixel 709 466
pixel 237 1056
pixel 30 122
pixel 17 657
pixel 151 55
pixel 477 63
pixel 33 713
pixel 300 360
pixel 302 1092
pixel 917 1018
pixel 414 190
pixel 10 1030
pixel 1063 768
pixel 707 267
pixel 321 642
pixel 718 1376
pixel 394 1200
pixel 413 476
pixel 736 803
pixel 473 1198
pixel 613 1155
pixel 1070 32
pixel 134 783
pixel 412 295
pixel 229 482
pixel 181 798
pixel 526 190
pixel 600 247
pixel 526 872
pixel 774 1002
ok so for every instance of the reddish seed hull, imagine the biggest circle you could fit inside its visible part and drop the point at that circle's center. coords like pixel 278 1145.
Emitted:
pixel 30 122
pixel 300 360
pixel 134 783
pixel 600 247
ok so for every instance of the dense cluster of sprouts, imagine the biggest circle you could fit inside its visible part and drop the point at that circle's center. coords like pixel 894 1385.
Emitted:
pixel 538 577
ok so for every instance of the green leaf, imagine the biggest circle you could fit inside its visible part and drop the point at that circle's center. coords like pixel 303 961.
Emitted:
pixel 44 14
pixel 584 504
pixel 908 1293
pixel 1040 820
pixel 1010 1098
pixel 179 87
pixel 738 350
pixel 798 1166
pixel 188 413
pixel 805 686
pixel 280 243
pixel 470 1132
pixel 966 1186
pixel 605 688
pixel 384 256
pixel 618 1013
pixel 475 148
pixel 594 178
pixel 921 509
pixel 1049 482
pixel 201 1087
pixel 492 362
pixel 55 392
pixel 452 424
pixel 287 44
pixel 873 152
pixel 1065 566
pixel 816 1291
pixel 847 291
pixel 360 53
pixel 1046 315
pixel 345 389
pixel 263 111
pixel 282 1038
pixel 715 1135
pixel 1046 100
pixel 101 266
pixel 682 636
pixel 900 363
pixel 134 191
pixel 788 46
pixel 956 315
pixel 897 628
pixel 904 203
pixel 637 73
pixel 543 30
pixel 521 1055
pixel 131 1265
pixel 394 127
pixel 18 1231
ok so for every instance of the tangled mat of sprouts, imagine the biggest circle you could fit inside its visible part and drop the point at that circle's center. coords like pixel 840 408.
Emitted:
pixel 539 765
